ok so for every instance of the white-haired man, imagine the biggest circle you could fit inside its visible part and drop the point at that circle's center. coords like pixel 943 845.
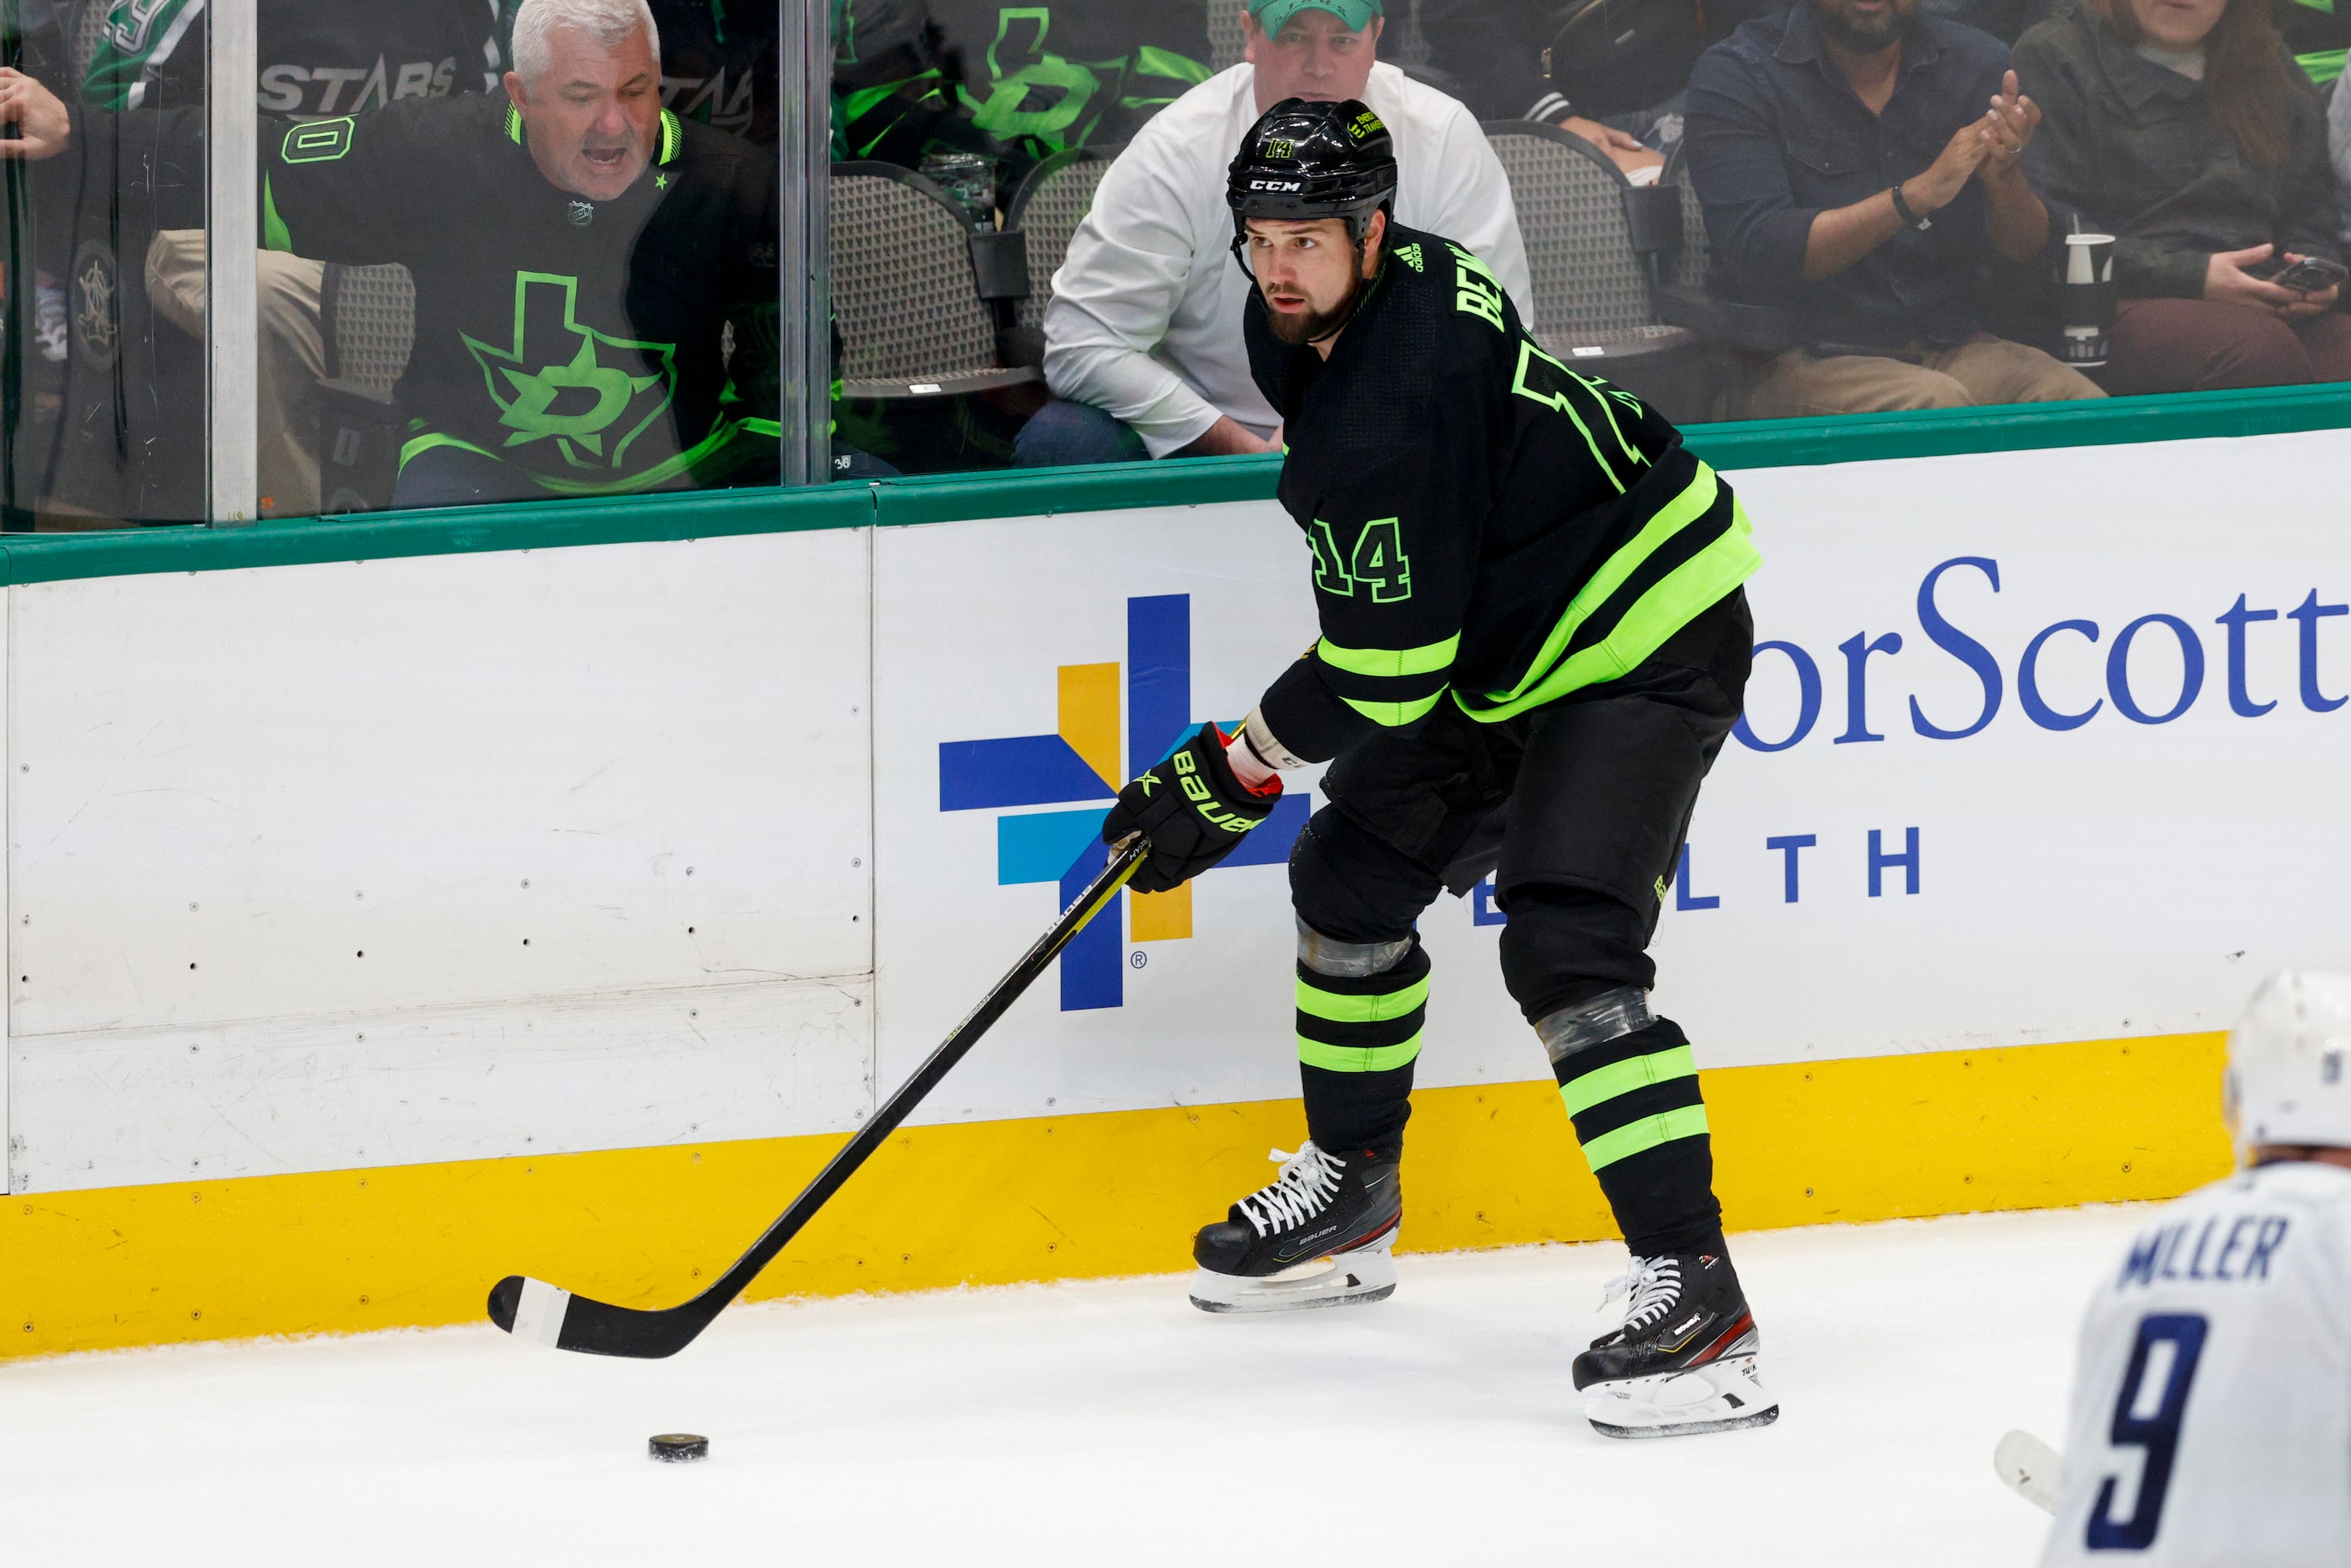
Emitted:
pixel 578 252
pixel 1142 340
pixel 2211 1420
pixel 317 57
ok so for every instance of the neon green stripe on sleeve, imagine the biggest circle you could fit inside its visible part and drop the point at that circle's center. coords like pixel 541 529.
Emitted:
pixel 1425 660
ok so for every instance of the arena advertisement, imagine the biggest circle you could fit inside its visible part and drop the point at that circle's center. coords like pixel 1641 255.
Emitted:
pixel 2041 747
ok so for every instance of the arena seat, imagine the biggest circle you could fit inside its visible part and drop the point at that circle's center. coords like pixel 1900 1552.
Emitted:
pixel 1225 36
pixel 368 317
pixel 1047 208
pixel 1594 303
pixel 905 296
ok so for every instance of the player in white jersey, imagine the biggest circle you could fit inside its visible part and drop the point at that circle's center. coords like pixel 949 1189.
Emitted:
pixel 2211 1419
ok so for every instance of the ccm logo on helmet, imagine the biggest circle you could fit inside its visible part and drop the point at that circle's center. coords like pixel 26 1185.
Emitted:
pixel 1276 185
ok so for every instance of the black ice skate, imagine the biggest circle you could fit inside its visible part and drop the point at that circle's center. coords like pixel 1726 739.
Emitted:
pixel 1684 1361
pixel 1317 1237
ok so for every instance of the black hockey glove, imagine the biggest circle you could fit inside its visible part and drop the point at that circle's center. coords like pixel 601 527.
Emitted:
pixel 1192 808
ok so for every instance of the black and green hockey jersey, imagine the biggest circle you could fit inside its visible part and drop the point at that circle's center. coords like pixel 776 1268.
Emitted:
pixel 1016 82
pixel 316 57
pixel 578 340
pixel 1046 77
pixel 1490 526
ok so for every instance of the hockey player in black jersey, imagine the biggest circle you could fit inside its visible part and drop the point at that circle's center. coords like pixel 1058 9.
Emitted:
pixel 1534 642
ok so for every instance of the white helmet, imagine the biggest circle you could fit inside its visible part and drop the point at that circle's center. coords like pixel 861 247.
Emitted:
pixel 2287 1082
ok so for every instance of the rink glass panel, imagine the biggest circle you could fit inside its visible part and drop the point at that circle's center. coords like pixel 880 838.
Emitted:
pixel 103 372
pixel 124 407
pixel 967 136
pixel 915 226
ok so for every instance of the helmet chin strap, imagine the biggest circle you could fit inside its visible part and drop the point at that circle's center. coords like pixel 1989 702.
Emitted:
pixel 1354 301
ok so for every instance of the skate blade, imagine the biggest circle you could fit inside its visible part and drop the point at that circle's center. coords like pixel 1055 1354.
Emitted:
pixel 1344 1279
pixel 1720 1396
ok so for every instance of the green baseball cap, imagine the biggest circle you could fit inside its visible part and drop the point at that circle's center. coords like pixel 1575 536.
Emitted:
pixel 1275 15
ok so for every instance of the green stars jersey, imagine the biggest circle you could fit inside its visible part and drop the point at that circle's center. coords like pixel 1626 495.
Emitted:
pixel 1490 526
pixel 1016 82
pixel 578 341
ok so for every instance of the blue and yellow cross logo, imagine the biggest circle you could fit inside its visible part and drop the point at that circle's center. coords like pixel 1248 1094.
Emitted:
pixel 1078 763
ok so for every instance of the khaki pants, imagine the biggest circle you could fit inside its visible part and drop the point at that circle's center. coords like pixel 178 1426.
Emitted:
pixel 292 355
pixel 1983 370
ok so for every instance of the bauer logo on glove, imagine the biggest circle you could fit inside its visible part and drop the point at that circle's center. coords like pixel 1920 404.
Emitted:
pixel 1193 825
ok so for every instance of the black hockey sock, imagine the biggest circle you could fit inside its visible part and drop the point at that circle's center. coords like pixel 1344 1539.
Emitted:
pixel 1637 1113
pixel 1357 1038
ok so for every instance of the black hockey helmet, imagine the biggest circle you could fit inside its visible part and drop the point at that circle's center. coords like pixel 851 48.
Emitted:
pixel 1303 161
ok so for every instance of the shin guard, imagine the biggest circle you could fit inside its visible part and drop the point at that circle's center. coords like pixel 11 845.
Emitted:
pixel 1360 1006
pixel 1630 1086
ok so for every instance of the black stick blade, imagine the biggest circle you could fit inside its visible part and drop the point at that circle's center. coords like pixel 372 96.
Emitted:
pixel 504 1297
pixel 539 1313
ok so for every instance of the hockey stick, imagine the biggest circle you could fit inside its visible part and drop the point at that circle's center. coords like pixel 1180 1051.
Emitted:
pixel 2030 1468
pixel 534 1310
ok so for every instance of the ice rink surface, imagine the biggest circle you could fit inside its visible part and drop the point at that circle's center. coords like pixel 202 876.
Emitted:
pixel 1101 1423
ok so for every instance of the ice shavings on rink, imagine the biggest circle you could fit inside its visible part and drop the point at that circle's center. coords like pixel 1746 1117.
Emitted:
pixel 1098 1423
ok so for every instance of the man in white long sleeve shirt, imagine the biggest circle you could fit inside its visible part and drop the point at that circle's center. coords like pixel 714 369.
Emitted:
pixel 1143 340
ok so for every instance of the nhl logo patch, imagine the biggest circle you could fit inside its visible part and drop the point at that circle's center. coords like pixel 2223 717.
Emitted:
pixel 583 214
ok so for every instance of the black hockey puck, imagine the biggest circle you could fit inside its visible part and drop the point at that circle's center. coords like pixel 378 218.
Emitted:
pixel 678 1447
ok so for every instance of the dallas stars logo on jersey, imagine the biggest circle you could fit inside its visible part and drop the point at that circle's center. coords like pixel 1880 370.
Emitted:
pixel 562 381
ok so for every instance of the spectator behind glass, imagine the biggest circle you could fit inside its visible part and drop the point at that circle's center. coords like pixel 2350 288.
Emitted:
pixel 578 253
pixel 317 58
pixel 1852 173
pixel 2184 128
pixel 1143 340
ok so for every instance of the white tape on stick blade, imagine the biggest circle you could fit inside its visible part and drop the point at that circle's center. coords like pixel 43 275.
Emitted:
pixel 538 1317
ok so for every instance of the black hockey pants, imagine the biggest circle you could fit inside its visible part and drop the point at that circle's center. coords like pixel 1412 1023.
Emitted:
pixel 1578 809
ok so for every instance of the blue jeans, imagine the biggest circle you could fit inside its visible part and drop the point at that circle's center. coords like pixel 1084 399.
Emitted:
pixel 1063 435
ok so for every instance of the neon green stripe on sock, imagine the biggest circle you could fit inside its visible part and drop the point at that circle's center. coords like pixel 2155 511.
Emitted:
pixel 1584 1092
pixel 1357 1058
pixel 1316 1002
pixel 1647 1133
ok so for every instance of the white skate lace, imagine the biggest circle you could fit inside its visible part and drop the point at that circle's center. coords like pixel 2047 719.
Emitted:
pixel 1654 1285
pixel 1302 1191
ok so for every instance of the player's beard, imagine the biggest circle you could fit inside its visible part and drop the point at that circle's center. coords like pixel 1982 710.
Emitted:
pixel 1298 327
